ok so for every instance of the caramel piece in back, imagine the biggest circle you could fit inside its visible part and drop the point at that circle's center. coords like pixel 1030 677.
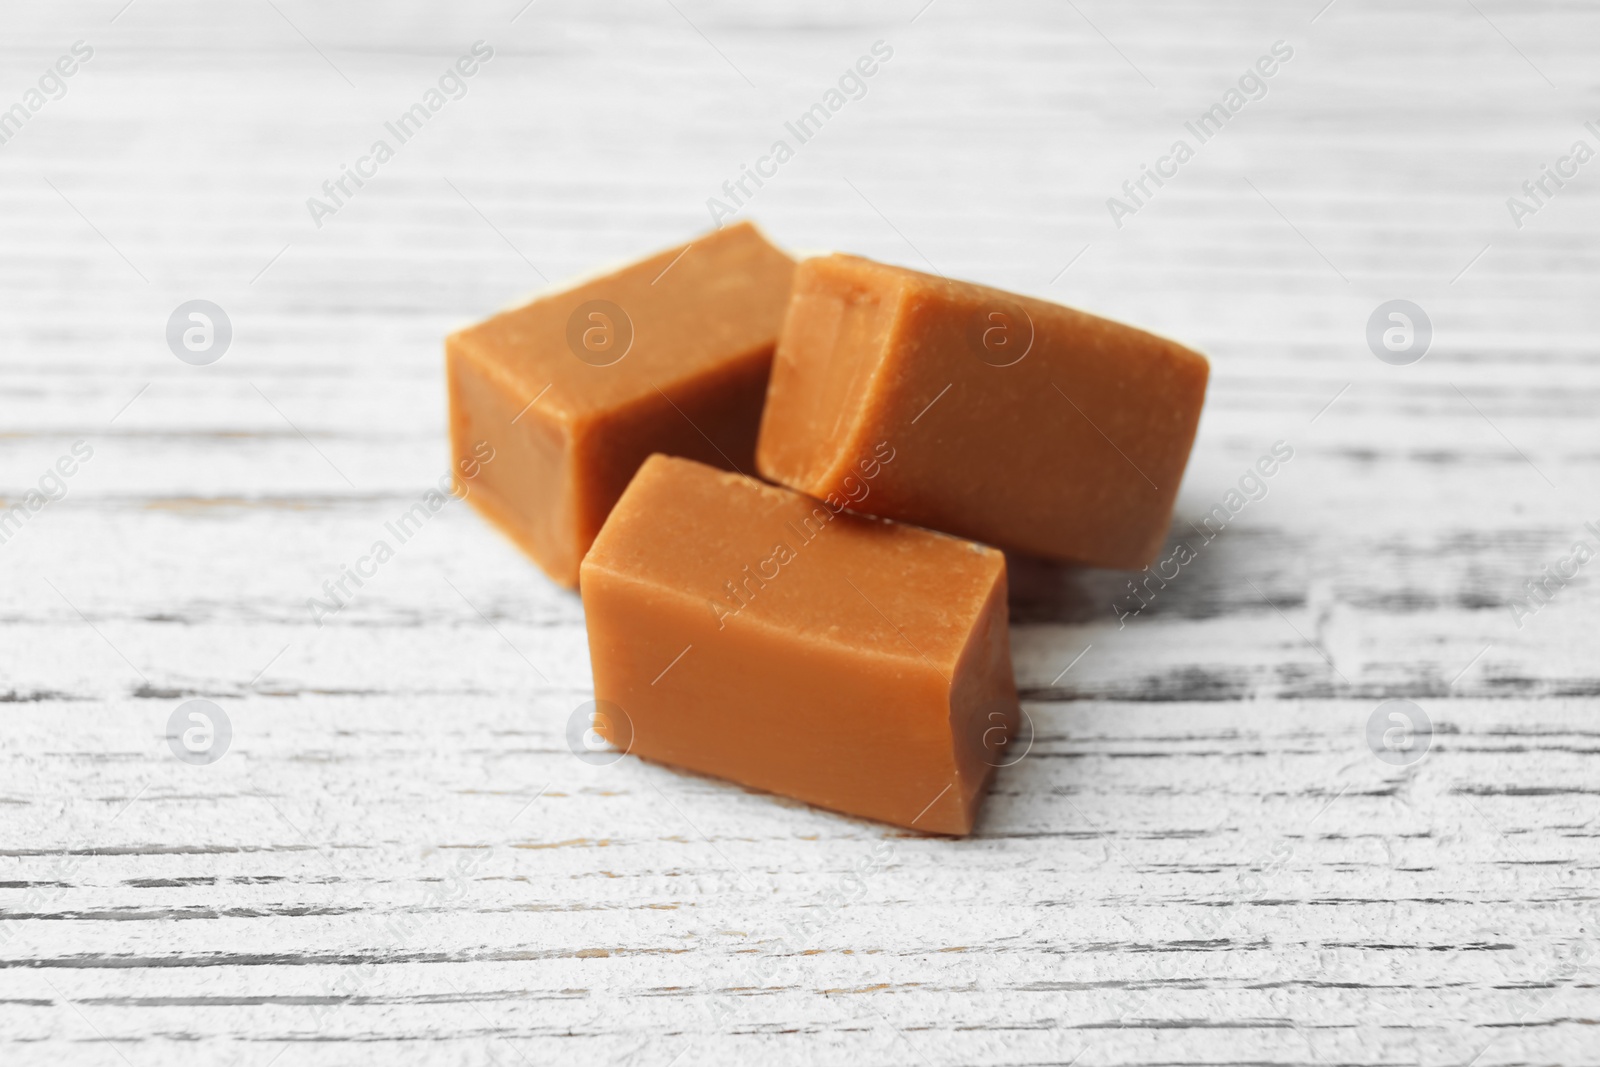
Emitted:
pixel 574 390
pixel 1017 422
pixel 751 633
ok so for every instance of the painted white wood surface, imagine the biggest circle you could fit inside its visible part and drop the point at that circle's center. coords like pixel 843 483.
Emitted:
pixel 398 859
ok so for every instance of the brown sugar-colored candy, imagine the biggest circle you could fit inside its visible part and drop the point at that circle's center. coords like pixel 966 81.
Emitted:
pixel 571 392
pixel 1016 422
pixel 749 632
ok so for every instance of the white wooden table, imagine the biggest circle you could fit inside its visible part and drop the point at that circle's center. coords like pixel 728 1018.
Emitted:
pixel 1204 858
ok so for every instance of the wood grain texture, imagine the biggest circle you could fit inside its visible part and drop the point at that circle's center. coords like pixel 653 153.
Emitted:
pixel 398 859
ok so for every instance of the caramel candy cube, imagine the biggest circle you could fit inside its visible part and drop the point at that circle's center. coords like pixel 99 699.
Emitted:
pixel 571 392
pixel 1017 422
pixel 748 632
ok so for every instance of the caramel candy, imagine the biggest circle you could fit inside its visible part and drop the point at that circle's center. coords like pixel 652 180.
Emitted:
pixel 574 390
pixel 1017 422
pixel 748 632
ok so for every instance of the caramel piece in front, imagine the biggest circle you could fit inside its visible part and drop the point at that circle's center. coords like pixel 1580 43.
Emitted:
pixel 755 634
pixel 574 390
pixel 1017 422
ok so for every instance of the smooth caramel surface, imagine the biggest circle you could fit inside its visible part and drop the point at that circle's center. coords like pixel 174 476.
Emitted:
pixel 670 354
pixel 759 635
pixel 1020 423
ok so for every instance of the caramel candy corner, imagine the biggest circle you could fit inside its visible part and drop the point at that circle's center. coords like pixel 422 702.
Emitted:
pixel 1018 422
pixel 569 394
pixel 748 632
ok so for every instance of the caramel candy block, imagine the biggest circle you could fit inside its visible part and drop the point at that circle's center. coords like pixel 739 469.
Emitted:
pixel 1017 422
pixel 748 632
pixel 571 392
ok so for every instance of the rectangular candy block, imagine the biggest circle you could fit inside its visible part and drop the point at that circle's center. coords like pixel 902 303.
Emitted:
pixel 748 632
pixel 1017 422
pixel 575 389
